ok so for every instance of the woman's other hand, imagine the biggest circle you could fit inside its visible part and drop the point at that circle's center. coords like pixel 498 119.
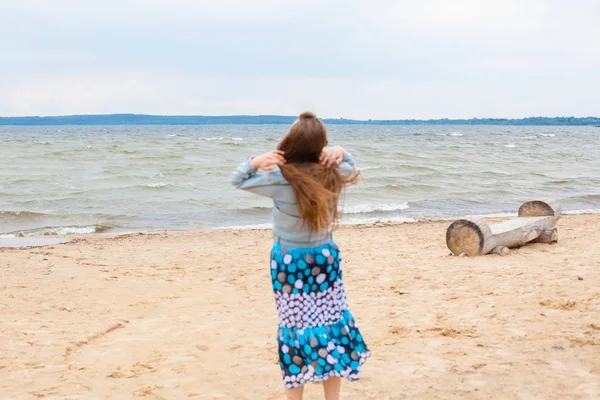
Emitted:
pixel 268 160
pixel 331 156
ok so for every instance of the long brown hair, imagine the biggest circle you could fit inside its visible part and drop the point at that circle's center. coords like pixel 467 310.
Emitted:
pixel 317 188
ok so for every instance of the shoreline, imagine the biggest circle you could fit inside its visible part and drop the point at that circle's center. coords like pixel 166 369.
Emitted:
pixel 40 240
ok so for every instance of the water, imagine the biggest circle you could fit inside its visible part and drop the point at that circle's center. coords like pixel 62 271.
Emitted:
pixel 86 179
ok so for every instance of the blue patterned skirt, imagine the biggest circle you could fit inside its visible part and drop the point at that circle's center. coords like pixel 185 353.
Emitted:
pixel 317 337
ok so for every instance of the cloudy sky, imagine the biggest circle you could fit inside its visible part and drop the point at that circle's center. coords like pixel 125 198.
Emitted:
pixel 351 58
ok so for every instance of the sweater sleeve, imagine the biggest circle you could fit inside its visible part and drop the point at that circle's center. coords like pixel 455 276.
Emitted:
pixel 246 177
pixel 347 165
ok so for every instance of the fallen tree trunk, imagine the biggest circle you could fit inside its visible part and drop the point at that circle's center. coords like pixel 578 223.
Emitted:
pixel 474 237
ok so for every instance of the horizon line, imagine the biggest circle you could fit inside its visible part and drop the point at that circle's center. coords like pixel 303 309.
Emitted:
pixel 200 120
pixel 292 116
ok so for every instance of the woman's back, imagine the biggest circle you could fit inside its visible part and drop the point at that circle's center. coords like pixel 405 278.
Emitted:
pixel 287 223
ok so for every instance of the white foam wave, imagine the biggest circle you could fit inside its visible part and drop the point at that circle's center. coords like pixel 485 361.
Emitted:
pixel 456 134
pixel 511 146
pixel 373 220
pixel 512 215
pixel 345 221
pixel 547 134
pixel 495 215
pixel 586 211
pixel 247 227
pixel 369 168
pixel 357 220
pixel 75 230
pixel 59 231
pixel 218 138
pixel 369 208
pixel 155 185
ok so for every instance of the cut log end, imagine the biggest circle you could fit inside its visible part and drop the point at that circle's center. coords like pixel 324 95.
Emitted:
pixel 467 237
pixel 538 208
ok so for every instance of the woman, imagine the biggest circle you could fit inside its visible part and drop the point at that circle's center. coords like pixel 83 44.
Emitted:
pixel 318 338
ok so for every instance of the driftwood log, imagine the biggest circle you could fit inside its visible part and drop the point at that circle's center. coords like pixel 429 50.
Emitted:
pixel 535 224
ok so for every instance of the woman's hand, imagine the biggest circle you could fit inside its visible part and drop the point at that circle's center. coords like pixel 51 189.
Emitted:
pixel 331 156
pixel 268 160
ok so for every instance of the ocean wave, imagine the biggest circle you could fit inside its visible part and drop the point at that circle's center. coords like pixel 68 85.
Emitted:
pixel 374 220
pixel 161 157
pixel 219 138
pixel 247 227
pixel 539 174
pixel 547 134
pixel 511 146
pixel 409 186
pixel 57 231
pixel 231 143
pixel 86 148
pixel 158 185
pixel 178 171
pixel 369 168
pixel 257 210
pixel 358 220
pixel 416 168
pixel 587 197
pixel 494 215
pixel 22 214
pixel 369 208
pixel 584 211
pixel 352 209
pixel 344 221
pixel 511 214
pixel 456 134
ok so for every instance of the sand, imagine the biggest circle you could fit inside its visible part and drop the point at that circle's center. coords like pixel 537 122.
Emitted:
pixel 190 315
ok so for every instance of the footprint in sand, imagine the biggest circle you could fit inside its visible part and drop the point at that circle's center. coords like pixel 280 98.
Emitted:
pixel 145 391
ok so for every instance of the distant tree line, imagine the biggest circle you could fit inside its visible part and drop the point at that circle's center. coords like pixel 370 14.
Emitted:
pixel 140 119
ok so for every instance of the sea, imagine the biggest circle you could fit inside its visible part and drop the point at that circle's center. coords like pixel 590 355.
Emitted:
pixel 59 180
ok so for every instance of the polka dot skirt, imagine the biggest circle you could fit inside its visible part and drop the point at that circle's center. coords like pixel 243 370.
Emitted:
pixel 318 337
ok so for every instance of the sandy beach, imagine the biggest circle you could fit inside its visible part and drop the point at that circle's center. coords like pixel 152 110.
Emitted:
pixel 190 315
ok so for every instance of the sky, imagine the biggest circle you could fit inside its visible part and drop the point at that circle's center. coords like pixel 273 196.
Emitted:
pixel 379 59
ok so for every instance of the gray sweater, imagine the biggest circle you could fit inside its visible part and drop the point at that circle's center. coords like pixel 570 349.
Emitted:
pixel 287 225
